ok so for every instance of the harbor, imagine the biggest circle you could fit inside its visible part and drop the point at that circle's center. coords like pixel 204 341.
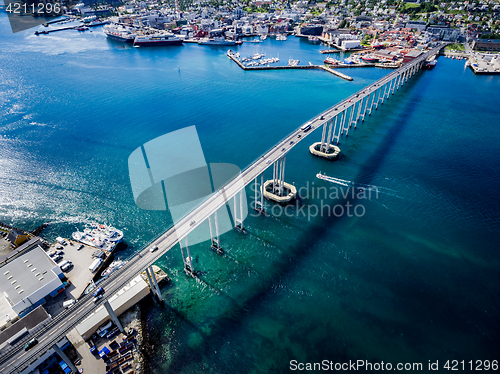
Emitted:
pixel 232 56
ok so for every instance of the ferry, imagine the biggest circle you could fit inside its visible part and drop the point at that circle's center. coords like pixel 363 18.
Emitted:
pixel 216 41
pixel 430 62
pixel 157 40
pixel 119 32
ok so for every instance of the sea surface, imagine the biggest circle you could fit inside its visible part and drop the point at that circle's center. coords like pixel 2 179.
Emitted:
pixel 408 275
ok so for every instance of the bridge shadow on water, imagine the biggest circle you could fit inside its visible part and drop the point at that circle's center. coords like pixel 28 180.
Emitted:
pixel 231 319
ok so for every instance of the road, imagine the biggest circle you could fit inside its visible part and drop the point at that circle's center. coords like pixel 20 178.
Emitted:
pixel 16 359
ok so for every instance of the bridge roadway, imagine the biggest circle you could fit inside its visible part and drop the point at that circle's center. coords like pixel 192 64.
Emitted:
pixel 17 359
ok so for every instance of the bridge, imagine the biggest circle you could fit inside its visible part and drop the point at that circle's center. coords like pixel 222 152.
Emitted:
pixel 336 123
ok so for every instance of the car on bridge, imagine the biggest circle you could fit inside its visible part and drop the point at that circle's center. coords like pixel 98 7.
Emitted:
pixel 98 292
pixel 30 344
pixel 97 298
pixel 153 249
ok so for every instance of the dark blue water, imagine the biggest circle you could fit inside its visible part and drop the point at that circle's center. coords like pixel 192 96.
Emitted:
pixel 412 279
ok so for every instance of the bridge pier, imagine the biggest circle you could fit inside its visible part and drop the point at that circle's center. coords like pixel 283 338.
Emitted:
pixel 324 148
pixel 188 261
pixel 65 358
pixel 389 88
pixel 366 107
pixel 374 92
pixel 153 283
pixel 259 204
pixel 280 191
pixel 238 222
pixel 359 111
pixel 113 316
pixel 214 242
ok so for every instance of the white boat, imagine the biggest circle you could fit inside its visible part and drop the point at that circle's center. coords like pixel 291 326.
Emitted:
pixel 119 32
pixel 115 265
pixel 109 232
pixel 216 41
pixel 157 40
pixel 263 37
pixel 313 39
pixel 281 37
pixel 293 62
pixel 99 236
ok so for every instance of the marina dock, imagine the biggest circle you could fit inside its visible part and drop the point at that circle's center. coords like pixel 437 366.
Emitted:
pixel 322 67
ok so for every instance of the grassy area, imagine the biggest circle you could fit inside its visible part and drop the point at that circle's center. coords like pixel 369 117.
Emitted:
pixel 455 47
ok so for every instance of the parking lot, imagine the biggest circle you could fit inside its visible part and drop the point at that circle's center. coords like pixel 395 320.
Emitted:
pixel 79 274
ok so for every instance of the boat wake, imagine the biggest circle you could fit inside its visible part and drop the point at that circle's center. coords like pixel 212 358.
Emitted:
pixel 359 186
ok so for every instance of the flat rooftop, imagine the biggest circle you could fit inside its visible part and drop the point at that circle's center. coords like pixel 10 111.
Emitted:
pixel 28 322
pixel 26 274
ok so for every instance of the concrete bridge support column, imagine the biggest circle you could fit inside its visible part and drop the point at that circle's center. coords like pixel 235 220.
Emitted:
pixel 323 137
pixel 329 137
pixel 383 95
pixel 378 97
pixel 342 121
pixel 394 87
pixel 153 283
pixel 214 240
pixel 259 204
pixel 113 316
pixel 351 117
pixel 373 101
pixel 326 149
pixel 400 79
pixel 366 106
pixel 281 191
pixel 188 261
pixel 389 89
pixel 65 358
pixel 238 222
pixel 359 112
pixel 336 132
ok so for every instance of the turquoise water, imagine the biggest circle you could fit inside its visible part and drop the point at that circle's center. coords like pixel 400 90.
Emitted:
pixel 412 279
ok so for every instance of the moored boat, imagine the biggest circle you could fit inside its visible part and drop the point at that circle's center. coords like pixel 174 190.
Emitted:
pixel 157 40
pixel 118 32
pixel 216 41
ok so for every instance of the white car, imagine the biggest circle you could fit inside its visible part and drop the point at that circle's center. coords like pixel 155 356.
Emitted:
pixel 153 249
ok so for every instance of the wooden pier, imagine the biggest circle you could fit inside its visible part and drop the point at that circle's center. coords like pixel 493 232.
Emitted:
pixel 322 67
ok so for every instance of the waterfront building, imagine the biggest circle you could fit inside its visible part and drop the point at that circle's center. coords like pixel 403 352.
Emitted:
pixel 27 282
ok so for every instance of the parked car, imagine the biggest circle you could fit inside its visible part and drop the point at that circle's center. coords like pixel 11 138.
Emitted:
pixel 57 258
pixel 30 344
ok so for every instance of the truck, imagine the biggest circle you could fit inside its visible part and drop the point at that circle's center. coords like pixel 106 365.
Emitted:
pixel 68 303
pixel 95 265
pixel 60 240
pixel 68 265
pixel 305 127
